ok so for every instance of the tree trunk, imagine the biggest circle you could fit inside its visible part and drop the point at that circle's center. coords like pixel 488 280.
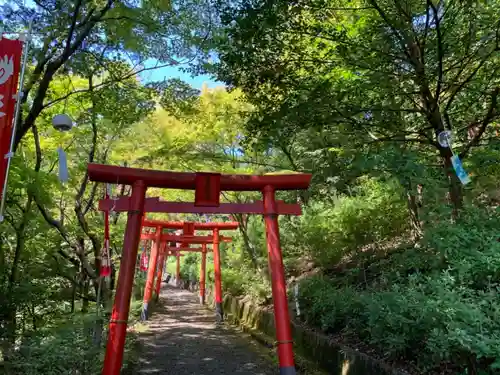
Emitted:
pixel 85 294
pixel 413 213
pixel 73 298
pixel 11 313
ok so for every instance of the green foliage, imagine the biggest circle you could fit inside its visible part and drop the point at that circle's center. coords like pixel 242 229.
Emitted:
pixel 374 213
pixel 326 306
pixel 445 312
pixel 246 282
pixel 64 349
pixel 353 92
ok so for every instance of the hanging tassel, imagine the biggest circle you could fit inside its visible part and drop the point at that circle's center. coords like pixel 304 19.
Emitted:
pixel 105 261
pixel 63 166
pixel 144 261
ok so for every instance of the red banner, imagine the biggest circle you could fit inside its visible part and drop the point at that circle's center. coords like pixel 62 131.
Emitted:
pixel 10 65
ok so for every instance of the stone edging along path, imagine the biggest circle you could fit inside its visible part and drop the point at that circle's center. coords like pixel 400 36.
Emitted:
pixel 312 346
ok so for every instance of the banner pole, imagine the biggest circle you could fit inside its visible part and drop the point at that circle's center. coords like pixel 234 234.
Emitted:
pixel 19 98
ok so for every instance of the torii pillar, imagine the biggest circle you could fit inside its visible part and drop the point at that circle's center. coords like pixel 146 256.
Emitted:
pixel 153 258
pixel 121 307
pixel 161 264
pixel 188 229
pixel 218 278
pixel 178 270
pixel 203 273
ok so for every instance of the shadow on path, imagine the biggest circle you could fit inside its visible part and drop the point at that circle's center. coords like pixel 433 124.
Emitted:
pixel 183 339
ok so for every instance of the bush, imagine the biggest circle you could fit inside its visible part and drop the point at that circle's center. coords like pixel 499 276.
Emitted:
pixel 67 347
pixel 376 213
pixel 246 282
pixel 64 349
pixel 446 311
pixel 325 306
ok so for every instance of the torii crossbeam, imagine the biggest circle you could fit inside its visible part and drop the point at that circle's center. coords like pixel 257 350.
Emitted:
pixel 122 204
pixel 184 239
pixel 207 187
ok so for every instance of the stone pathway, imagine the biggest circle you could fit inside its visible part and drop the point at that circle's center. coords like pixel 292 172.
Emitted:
pixel 183 339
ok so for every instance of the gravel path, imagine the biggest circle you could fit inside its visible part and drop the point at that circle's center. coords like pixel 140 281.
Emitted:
pixel 183 339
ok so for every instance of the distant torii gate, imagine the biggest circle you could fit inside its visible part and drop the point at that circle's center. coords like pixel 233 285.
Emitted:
pixel 188 229
pixel 160 238
pixel 207 187
pixel 203 267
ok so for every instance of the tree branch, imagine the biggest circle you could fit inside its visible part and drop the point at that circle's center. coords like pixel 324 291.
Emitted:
pixel 72 27
pixel 490 115
pixel 83 185
pixel 395 32
pixel 440 48
pixel 55 223
pixel 126 76
pixel 52 68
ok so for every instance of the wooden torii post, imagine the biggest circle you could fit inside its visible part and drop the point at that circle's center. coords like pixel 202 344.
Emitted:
pixel 160 267
pixel 207 187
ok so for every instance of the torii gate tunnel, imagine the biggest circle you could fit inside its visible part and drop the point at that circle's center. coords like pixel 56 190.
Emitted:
pixel 184 240
pixel 207 187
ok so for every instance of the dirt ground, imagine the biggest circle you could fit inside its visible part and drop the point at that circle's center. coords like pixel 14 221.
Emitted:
pixel 182 339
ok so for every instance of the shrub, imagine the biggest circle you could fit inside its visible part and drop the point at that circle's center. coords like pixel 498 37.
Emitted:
pixel 325 306
pixel 375 213
pixel 64 349
pixel 446 311
pixel 246 282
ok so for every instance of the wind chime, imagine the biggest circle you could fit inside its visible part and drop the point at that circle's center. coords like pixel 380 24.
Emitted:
pixel 63 123
pixel 445 140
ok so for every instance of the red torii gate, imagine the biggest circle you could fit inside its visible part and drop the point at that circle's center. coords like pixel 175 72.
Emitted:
pixel 207 188
pixel 188 229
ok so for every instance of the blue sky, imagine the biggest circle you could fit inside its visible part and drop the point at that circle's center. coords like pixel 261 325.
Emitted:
pixel 175 72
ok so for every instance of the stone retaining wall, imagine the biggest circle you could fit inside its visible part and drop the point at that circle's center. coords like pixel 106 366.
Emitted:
pixel 313 346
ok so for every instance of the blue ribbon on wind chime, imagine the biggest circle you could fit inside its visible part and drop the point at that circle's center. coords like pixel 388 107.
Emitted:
pixel 445 140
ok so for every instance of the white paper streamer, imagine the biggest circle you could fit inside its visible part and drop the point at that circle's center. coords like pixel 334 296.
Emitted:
pixel 63 165
pixel 296 295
